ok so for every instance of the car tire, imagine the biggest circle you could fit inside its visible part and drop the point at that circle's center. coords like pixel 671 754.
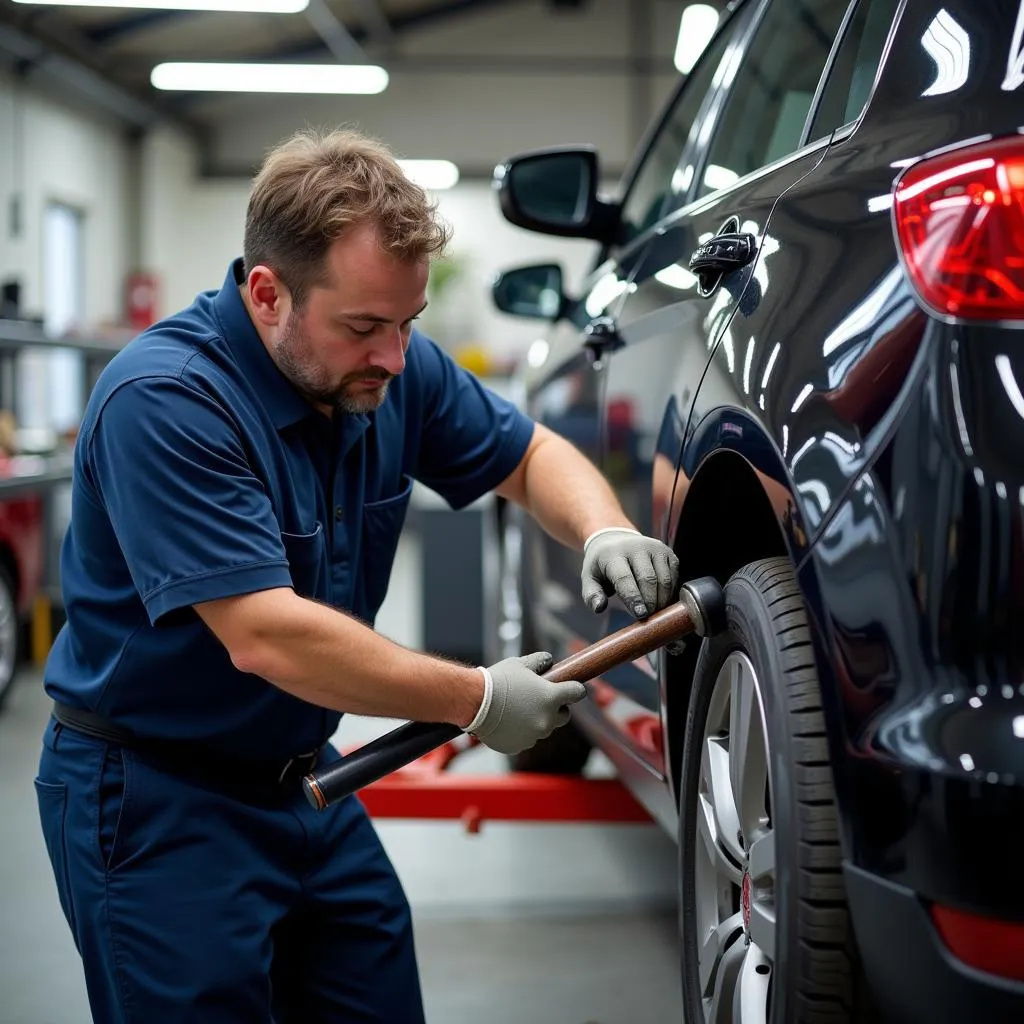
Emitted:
pixel 765 929
pixel 10 634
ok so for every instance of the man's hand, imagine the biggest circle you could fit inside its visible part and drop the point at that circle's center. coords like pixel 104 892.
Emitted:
pixel 519 707
pixel 641 570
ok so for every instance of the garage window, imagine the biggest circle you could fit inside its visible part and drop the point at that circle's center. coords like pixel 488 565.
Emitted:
pixel 49 388
pixel 764 115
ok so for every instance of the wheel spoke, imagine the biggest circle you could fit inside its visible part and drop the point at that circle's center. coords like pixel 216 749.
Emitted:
pixel 750 1005
pixel 762 925
pixel 761 862
pixel 718 1008
pixel 708 831
pixel 720 794
pixel 748 761
pixel 734 837
pixel 761 868
pixel 713 952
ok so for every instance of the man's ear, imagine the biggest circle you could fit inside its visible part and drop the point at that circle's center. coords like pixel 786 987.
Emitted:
pixel 269 298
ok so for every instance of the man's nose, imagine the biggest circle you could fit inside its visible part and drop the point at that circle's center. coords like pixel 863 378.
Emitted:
pixel 390 353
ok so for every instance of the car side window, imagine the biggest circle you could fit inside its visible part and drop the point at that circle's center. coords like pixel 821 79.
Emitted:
pixel 653 181
pixel 763 117
pixel 856 63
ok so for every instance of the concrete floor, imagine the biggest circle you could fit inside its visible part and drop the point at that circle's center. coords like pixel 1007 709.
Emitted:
pixel 521 923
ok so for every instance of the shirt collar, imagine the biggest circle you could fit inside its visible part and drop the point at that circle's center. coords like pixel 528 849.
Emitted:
pixel 285 405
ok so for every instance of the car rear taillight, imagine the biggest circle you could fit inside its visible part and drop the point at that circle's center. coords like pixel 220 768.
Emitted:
pixel 960 224
pixel 983 942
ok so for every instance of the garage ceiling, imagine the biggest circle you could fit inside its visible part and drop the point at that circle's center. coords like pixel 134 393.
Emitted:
pixel 521 72
pixel 123 44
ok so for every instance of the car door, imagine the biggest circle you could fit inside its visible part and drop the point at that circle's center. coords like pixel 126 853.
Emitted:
pixel 710 251
pixel 567 365
pixel 569 402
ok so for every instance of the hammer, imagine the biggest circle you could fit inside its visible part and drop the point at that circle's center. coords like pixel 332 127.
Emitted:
pixel 700 609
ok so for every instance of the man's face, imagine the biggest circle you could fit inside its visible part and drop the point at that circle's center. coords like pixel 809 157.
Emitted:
pixel 348 340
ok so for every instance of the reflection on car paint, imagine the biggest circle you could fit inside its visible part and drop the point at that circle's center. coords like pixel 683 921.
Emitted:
pixel 949 46
pixel 1015 62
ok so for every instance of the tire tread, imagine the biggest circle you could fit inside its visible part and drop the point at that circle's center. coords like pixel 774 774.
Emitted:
pixel 827 973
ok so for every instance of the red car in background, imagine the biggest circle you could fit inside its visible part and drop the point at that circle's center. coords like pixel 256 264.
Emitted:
pixel 21 567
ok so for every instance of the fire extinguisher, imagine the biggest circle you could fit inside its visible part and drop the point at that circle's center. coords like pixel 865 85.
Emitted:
pixel 142 299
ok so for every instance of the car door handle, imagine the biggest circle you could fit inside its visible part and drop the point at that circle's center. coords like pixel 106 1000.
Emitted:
pixel 600 337
pixel 723 253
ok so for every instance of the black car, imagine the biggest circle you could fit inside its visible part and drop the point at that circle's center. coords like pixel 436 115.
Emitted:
pixel 799 359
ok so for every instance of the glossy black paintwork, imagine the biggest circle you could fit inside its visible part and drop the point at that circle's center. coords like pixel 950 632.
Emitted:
pixel 916 579
pixel 890 445
pixel 921 584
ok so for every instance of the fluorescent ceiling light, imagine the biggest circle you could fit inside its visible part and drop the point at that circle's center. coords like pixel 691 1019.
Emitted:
pixel 696 27
pixel 304 78
pixel 247 6
pixel 431 174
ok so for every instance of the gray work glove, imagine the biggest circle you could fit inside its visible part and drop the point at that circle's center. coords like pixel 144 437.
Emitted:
pixel 519 707
pixel 641 570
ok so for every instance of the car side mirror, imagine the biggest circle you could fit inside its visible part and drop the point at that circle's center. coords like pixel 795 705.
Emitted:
pixel 554 191
pixel 533 291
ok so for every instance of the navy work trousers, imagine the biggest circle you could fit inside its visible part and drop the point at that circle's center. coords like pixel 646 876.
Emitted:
pixel 189 903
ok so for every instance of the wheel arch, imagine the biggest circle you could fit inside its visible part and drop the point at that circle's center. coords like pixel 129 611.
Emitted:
pixel 735 507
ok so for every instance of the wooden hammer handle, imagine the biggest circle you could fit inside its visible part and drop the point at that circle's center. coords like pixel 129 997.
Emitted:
pixel 627 644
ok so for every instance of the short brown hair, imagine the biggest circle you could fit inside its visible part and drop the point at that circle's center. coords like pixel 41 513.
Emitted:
pixel 313 186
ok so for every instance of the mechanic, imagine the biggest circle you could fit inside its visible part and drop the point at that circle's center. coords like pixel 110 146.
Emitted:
pixel 241 477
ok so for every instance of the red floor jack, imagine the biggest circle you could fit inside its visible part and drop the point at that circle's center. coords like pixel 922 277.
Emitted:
pixel 403 773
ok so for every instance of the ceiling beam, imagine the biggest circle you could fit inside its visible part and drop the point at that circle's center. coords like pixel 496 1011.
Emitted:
pixel 58 59
pixel 344 48
pixel 570 64
pixel 379 30
pixel 375 26
pixel 118 28
pixel 310 49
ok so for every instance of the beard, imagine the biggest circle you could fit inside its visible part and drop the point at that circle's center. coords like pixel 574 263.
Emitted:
pixel 294 358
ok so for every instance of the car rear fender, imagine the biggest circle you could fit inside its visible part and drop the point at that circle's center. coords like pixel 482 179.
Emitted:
pixel 736 504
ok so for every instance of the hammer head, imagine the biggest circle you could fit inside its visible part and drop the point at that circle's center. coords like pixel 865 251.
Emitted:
pixel 705 601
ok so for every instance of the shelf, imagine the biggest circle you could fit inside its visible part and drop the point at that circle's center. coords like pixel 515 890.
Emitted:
pixel 18 334
pixel 36 474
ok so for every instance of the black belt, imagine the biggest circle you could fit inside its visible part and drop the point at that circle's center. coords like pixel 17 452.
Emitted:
pixel 196 760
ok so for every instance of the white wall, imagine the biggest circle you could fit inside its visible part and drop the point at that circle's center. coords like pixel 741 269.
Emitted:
pixel 74 159
pixel 186 227
pixel 581 88
pixel 193 227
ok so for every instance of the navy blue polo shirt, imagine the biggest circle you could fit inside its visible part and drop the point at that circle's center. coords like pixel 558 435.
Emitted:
pixel 201 473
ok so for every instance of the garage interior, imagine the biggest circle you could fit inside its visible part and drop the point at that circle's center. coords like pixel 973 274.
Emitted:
pixel 120 202
pixel 759 263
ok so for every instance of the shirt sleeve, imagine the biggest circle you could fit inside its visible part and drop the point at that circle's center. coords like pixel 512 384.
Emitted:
pixel 192 519
pixel 472 438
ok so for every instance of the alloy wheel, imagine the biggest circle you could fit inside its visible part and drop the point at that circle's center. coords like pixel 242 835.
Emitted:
pixel 734 862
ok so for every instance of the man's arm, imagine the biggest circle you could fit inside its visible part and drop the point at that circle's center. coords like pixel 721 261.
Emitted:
pixel 573 502
pixel 563 490
pixel 328 658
